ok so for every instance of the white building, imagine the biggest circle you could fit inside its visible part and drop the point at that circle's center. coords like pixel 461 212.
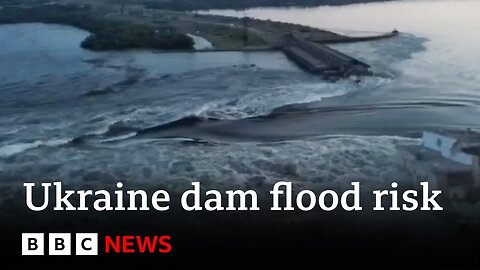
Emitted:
pixel 449 161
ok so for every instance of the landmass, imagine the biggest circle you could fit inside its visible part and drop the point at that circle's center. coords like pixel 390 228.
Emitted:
pixel 243 4
pixel 184 5
pixel 128 24
pixel 108 32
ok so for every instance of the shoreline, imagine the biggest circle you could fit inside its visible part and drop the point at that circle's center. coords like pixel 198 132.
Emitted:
pixel 189 5
pixel 167 30
pixel 170 31
pixel 105 33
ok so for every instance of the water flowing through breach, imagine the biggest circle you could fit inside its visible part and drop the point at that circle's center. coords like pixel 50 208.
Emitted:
pixel 230 118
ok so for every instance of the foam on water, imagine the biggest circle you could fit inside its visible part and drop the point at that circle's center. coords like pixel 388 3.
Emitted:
pixel 243 100
pixel 16 148
pixel 322 162
pixel 262 103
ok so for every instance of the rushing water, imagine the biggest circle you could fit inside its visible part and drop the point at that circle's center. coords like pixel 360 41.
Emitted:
pixel 236 119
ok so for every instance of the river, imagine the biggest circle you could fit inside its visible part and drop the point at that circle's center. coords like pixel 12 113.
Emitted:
pixel 232 118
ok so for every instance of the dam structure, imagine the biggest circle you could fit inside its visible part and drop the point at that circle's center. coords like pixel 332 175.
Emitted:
pixel 320 59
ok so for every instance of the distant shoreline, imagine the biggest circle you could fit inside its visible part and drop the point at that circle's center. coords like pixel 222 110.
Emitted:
pixel 129 26
pixel 191 5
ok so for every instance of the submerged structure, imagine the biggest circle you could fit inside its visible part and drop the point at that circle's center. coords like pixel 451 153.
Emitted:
pixel 319 59
pixel 450 161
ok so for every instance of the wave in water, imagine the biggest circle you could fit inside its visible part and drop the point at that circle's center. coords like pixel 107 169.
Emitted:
pixel 264 101
pixel 12 149
pixel 324 162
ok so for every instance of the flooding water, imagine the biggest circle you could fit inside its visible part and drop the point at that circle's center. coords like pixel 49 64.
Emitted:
pixel 237 119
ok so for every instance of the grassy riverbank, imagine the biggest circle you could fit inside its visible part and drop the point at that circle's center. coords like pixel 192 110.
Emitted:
pixel 108 33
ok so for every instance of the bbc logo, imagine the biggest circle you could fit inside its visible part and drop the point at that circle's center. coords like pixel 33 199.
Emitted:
pixel 59 244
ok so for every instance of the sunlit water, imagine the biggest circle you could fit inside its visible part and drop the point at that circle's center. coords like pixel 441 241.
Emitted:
pixel 236 119
pixel 448 67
